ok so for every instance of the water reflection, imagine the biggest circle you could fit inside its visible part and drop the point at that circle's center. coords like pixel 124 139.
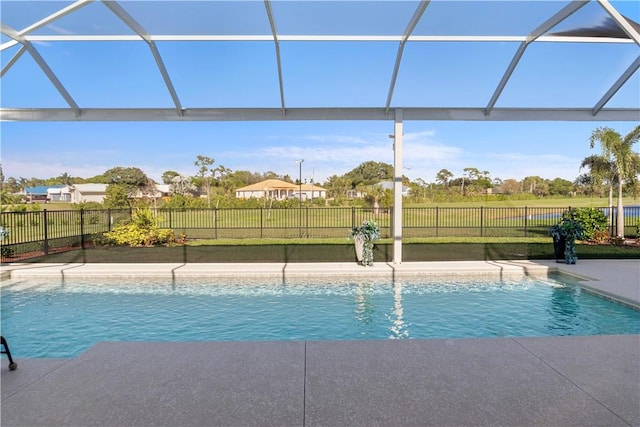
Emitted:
pixel 364 304
pixel 563 309
pixel 399 328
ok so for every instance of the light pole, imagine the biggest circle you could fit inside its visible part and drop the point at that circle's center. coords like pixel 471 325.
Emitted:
pixel 300 196
pixel 300 162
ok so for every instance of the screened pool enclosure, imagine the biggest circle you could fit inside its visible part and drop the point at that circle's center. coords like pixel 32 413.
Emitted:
pixel 299 60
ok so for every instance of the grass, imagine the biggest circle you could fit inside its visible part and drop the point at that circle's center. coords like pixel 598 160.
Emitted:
pixel 342 241
pixel 577 202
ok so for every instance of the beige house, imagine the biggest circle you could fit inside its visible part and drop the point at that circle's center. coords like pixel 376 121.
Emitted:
pixel 79 193
pixel 310 191
pixel 280 190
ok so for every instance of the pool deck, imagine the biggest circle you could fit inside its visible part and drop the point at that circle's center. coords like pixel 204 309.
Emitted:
pixel 558 381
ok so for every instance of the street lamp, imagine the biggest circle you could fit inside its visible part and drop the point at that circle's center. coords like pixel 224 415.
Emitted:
pixel 300 162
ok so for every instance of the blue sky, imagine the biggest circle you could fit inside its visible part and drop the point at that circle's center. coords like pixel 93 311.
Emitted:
pixel 317 74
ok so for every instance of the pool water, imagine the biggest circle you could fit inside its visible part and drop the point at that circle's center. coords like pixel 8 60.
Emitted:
pixel 44 319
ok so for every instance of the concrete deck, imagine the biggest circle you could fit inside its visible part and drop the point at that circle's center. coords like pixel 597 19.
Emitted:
pixel 560 381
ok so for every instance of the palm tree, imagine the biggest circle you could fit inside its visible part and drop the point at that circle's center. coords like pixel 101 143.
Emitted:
pixel 602 169
pixel 618 151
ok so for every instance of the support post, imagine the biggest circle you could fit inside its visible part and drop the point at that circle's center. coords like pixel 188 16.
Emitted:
pixel 397 187
pixel 45 224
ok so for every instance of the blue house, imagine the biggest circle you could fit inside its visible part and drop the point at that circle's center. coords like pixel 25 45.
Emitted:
pixel 39 193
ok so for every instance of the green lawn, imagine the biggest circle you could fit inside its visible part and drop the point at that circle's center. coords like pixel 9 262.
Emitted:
pixel 488 202
pixel 577 202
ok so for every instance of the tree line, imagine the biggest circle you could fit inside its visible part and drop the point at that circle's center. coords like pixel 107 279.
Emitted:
pixel 616 168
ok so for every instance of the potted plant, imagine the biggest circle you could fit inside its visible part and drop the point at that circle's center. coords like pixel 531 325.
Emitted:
pixel 564 234
pixel 364 235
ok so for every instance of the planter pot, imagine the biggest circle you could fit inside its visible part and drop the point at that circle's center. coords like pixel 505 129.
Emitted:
pixel 358 243
pixel 559 245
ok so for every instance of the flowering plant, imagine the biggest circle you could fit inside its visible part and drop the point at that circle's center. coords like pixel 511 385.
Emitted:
pixel 368 231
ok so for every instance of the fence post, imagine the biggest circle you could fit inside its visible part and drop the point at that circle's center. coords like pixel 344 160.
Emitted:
pixel 82 228
pixel 481 221
pixel 261 222
pixel 307 220
pixel 353 217
pixel 46 232
pixel 526 222
pixel 215 223
pixel 437 220
pixel 171 218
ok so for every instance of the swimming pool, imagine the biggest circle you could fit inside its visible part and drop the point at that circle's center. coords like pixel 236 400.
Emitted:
pixel 52 319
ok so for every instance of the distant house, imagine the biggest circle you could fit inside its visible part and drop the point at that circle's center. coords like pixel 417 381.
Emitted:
pixel 80 193
pixel 280 190
pixel 37 194
pixel 354 194
pixel 310 191
pixel 268 189
pixel 161 190
pixel 57 193
pixel 388 185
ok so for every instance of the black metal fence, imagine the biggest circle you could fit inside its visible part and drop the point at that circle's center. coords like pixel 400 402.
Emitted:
pixel 42 231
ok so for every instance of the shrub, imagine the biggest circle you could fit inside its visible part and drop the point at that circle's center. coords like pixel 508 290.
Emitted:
pixel 592 220
pixel 601 236
pixel 143 218
pixel 7 251
pixel 140 231
pixel 133 235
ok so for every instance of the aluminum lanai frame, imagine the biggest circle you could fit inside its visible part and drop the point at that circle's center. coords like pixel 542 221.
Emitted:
pixel 25 38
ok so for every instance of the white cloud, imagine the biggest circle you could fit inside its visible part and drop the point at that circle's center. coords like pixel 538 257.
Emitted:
pixel 334 154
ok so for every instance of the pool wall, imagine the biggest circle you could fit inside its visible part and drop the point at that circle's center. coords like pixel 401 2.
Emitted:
pixel 309 253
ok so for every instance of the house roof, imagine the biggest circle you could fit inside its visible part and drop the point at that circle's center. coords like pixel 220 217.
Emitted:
pixel 269 184
pixel 40 189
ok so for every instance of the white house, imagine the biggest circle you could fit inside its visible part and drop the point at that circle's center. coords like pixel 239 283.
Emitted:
pixel 58 194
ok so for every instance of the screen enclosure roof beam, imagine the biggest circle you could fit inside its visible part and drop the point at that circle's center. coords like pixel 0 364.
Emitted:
pixel 293 114
pixel 617 85
pixel 564 13
pixel 313 38
pixel 274 31
pixel 405 36
pixel 12 33
pixel 135 26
